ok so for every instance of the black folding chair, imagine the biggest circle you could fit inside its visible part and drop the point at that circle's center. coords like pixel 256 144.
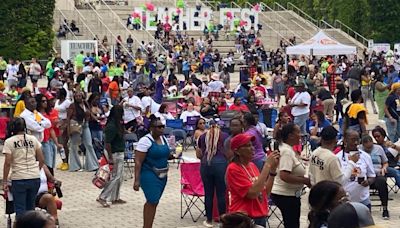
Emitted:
pixel 273 212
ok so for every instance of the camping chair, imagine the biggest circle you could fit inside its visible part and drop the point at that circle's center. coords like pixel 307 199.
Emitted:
pixel 273 209
pixel 129 157
pixel 9 205
pixel 175 123
pixel 191 190
pixel 391 183
pixel 3 127
pixel 190 128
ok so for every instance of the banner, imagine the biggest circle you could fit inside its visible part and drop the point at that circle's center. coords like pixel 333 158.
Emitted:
pixel 71 48
pixel 381 47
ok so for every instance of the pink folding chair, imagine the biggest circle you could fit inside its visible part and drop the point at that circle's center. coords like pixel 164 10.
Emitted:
pixel 3 127
pixel 192 190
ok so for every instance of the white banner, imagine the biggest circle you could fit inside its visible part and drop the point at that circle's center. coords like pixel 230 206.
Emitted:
pixel 381 47
pixel 71 48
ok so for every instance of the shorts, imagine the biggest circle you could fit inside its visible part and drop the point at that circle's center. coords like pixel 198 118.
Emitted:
pixel 34 78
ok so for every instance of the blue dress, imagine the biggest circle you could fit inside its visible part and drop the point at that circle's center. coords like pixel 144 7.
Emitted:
pixel 156 156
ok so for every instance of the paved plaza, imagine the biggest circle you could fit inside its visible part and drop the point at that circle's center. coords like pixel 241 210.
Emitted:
pixel 80 209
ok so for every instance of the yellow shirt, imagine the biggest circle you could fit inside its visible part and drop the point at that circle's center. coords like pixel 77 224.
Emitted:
pixel 19 108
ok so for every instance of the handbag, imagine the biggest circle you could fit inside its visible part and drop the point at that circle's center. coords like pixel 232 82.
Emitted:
pixel 75 127
pixel 102 176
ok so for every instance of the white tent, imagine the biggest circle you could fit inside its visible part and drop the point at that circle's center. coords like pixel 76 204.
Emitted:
pixel 321 44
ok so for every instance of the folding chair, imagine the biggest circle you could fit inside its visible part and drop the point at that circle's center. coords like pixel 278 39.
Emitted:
pixel 190 128
pixel 9 206
pixel 175 123
pixel 129 157
pixel 3 127
pixel 192 190
pixel 391 183
pixel 273 209
pixel 180 136
pixel 167 131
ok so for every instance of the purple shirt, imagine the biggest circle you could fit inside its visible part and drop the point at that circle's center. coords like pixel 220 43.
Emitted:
pixel 220 153
pixel 259 153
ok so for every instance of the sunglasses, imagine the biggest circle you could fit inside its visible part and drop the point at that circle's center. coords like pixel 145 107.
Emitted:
pixel 43 101
pixel 160 126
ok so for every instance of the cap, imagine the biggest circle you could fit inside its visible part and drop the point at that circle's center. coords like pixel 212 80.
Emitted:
pixel 361 217
pixel 240 140
pixel 215 77
pixel 56 69
pixel 48 95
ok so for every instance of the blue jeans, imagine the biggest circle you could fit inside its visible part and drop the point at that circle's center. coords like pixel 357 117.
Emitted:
pixel 213 177
pixel 49 152
pixel 91 163
pixel 97 134
pixel 392 172
pixel 393 130
pixel 24 194
pixel 301 122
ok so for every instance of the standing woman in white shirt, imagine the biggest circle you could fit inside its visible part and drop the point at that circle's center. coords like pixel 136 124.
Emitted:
pixel 300 104
pixel 163 114
pixel 62 105
pixel 132 109
pixel 34 72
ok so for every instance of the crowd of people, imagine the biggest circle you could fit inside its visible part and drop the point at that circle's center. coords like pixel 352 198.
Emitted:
pixel 92 101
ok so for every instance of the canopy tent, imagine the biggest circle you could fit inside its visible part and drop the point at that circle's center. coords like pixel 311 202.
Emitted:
pixel 321 44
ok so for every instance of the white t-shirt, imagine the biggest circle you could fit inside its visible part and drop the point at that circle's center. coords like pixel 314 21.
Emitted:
pixel 187 114
pixel 164 117
pixel 43 182
pixel 303 97
pixel 357 192
pixel 145 143
pixel 148 101
pixel 62 108
pixel 129 112
pixel 12 71
pixel 216 86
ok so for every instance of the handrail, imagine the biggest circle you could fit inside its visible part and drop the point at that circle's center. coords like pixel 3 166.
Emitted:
pixel 108 29
pixel 157 42
pixel 235 4
pixel 323 22
pixel 280 6
pixel 302 13
pixel 364 40
pixel 276 14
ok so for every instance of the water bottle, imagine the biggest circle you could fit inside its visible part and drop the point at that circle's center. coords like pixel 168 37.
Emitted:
pixel 62 153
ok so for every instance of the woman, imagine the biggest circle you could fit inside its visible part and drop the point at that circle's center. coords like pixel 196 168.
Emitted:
pixel 34 72
pixel 238 106
pixel 78 131
pixel 327 101
pixel 113 90
pixel 340 93
pixel 25 162
pixel 200 129
pixel 62 104
pixel 115 146
pixel 392 112
pixel 207 109
pixel 210 150
pixel 356 114
pixel 20 105
pixel 151 168
pixel 283 119
pixel 251 104
pixel 381 93
pixel 315 126
pixel 247 187
pixel 323 198
pixel 163 114
pixel 249 123
pixel 96 117
pixel 289 183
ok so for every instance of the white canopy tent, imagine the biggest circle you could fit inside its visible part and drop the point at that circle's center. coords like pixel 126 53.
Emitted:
pixel 321 44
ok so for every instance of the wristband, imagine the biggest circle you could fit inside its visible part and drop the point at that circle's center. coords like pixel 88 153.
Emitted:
pixel 272 174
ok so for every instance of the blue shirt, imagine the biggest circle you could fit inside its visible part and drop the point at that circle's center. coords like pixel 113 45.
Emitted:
pixel 311 125
pixel 185 66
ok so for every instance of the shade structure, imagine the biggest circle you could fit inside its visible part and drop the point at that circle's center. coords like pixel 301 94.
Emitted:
pixel 321 44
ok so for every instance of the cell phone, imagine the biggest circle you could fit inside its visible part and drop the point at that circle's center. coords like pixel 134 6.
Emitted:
pixel 276 145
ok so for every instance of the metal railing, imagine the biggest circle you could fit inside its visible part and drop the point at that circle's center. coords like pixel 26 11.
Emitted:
pixel 302 14
pixel 360 38
pixel 62 23
pixel 276 6
pixel 149 36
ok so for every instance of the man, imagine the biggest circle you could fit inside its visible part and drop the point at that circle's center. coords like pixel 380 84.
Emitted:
pixel 324 164
pixel 300 104
pixel 132 109
pixel 3 67
pixel 35 122
pixel 216 85
pixel 361 164
pixel 79 62
pixel 129 42
pixel 354 77
pixel 11 72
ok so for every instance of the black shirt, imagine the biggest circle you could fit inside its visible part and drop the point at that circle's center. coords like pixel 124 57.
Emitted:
pixel 393 104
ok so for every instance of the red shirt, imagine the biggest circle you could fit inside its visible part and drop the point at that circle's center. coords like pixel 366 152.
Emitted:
pixel 238 181
pixel 53 117
pixel 105 81
pixel 239 108
pixel 291 92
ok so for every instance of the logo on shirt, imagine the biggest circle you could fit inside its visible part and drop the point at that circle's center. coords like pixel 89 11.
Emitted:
pixel 23 144
pixel 317 162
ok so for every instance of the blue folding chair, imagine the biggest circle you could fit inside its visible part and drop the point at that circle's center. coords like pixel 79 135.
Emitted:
pixel 175 124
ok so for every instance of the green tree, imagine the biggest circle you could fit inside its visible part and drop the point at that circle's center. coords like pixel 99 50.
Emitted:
pixel 26 28
pixel 384 17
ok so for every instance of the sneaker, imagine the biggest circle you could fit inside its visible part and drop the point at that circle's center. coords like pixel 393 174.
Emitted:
pixel 385 214
pixel 60 165
pixel 207 224
pixel 64 167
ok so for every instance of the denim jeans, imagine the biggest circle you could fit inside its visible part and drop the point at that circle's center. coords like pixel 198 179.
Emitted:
pixel 393 130
pixel 301 122
pixel 24 194
pixel 99 136
pixel 49 152
pixel 91 162
pixel 112 189
pixel 392 172
pixel 213 177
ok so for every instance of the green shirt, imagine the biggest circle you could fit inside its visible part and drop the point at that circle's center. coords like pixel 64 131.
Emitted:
pixel 3 65
pixel 113 137
pixel 79 60
pixel 324 66
pixel 119 71
pixel 111 71
pixel 50 73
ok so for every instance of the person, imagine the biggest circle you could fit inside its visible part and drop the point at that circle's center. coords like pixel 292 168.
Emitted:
pixel 11 72
pixel 35 219
pixel 238 106
pixel 96 119
pixel 151 168
pixel 77 117
pixel 115 147
pixel 391 151
pixel 327 100
pixel 249 123
pixel 62 104
pixel 359 214
pixel 208 109
pixel 289 182
pixel 381 93
pixel 323 198
pixel 114 90
pixel 300 104
pixel 392 113
pixel 237 220
pixel 36 123
pixel 210 150
pixel 34 72
pixel 380 163
pixel 20 105
pixel 200 129
pixel 189 112
pixel 361 163
pixel 251 103
pixel 315 126
pixel 163 114
pixel 283 119
pixel 340 93
pixel 356 114
pixel 247 187
pixel 235 127
pixel 23 156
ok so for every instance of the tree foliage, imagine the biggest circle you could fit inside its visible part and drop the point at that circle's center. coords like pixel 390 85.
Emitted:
pixel 26 28
pixel 375 19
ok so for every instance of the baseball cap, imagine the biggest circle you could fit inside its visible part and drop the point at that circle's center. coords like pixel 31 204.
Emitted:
pixel 240 140
pixel 350 214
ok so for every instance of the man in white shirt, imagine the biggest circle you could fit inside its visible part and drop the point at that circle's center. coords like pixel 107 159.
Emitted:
pixel 363 169
pixel 216 85
pixel 132 108
pixel 35 122
pixel 11 71
pixel 189 112
pixel 300 104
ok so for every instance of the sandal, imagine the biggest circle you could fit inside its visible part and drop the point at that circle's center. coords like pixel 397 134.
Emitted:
pixel 119 201
pixel 103 202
